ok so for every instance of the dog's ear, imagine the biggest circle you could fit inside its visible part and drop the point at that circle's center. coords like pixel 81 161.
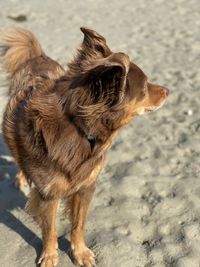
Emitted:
pixel 106 80
pixel 95 42
pixel 92 48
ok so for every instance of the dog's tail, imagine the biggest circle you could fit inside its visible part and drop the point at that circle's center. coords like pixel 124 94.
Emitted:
pixel 17 46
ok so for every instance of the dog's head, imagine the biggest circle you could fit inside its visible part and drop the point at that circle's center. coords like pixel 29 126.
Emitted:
pixel 112 81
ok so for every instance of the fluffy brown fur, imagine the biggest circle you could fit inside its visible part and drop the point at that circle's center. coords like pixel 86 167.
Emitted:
pixel 59 125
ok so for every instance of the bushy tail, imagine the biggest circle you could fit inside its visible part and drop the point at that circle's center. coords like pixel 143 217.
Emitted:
pixel 18 46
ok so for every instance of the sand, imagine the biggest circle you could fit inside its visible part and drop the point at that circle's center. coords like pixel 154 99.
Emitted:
pixel 146 210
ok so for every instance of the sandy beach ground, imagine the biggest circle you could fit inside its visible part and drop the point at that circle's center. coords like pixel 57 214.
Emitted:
pixel 146 210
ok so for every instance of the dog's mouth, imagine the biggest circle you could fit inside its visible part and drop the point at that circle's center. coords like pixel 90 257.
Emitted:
pixel 150 109
pixel 147 110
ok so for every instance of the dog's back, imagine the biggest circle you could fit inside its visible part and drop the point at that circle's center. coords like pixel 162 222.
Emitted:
pixel 27 64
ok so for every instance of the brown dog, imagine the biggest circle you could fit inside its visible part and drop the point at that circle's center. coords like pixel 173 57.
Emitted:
pixel 59 125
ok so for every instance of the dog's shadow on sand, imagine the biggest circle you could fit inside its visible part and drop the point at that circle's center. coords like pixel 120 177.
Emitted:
pixel 12 198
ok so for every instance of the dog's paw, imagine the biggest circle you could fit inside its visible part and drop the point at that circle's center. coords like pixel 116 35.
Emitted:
pixel 84 256
pixel 48 259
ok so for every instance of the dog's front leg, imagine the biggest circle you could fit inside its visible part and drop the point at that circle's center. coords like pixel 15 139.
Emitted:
pixel 44 212
pixel 79 206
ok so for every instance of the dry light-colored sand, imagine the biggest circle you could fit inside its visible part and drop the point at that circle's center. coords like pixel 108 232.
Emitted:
pixel 146 210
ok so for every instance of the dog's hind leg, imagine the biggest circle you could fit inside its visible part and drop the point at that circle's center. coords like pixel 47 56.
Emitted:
pixel 44 212
pixel 78 206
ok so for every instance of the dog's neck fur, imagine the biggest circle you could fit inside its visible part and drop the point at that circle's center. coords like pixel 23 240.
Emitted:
pixel 98 128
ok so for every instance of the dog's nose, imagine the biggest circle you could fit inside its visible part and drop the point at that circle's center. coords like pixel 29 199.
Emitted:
pixel 166 91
